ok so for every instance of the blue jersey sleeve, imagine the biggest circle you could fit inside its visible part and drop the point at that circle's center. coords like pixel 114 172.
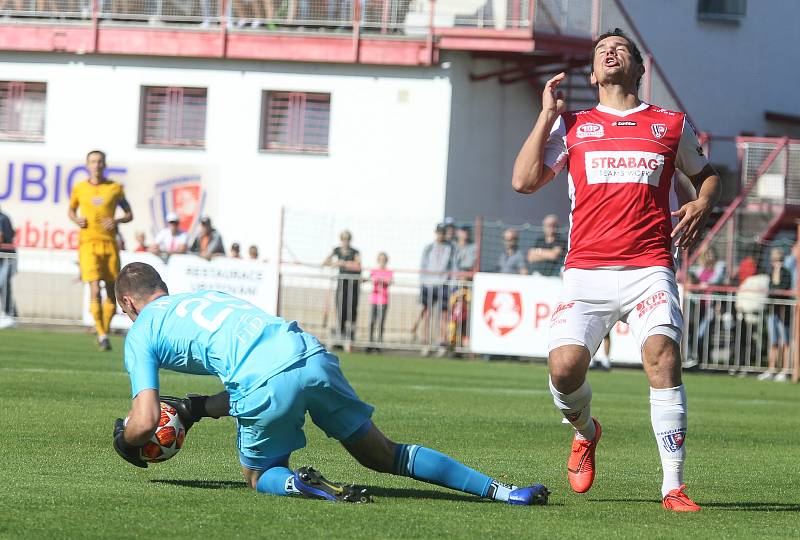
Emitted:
pixel 141 362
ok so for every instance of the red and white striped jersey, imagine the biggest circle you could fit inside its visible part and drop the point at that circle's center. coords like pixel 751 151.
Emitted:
pixel 621 165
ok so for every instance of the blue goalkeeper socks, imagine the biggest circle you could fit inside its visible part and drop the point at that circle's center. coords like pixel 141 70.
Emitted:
pixel 434 467
pixel 276 481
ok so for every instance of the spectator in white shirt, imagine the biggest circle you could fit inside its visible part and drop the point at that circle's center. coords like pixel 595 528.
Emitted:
pixel 171 239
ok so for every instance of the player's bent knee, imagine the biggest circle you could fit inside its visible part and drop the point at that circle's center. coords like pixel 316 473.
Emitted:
pixel 251 476
pixel 568 365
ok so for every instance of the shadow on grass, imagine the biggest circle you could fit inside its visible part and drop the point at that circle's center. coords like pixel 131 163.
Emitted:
pixel 202 484
pixel 746 506
pixel 412 493
pixel 375 491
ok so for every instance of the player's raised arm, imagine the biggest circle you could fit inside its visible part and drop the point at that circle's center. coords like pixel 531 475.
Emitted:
pixel 530 171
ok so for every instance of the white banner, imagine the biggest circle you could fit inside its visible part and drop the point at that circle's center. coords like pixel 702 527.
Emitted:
pixel 256 282
pixel 511 315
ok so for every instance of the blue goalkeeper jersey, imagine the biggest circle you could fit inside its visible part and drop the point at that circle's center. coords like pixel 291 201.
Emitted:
pixel 212 333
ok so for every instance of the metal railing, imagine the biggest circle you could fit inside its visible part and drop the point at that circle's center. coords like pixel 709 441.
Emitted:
pixel 575 18
pixel 432 318
pixel 744 330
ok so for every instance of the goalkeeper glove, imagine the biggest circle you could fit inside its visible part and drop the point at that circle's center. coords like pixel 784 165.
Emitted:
pixel 190 409
pixel 126 451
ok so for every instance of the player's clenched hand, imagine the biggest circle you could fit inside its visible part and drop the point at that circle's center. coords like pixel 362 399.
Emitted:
pixel 693 216
pixel 81 222
pixel 553 99
pixel 126 451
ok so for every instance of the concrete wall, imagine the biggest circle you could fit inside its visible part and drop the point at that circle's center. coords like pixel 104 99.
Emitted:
pixel 490 122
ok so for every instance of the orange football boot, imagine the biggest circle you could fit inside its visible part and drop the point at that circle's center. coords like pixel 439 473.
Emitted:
pixel 580 466
pixel 678 501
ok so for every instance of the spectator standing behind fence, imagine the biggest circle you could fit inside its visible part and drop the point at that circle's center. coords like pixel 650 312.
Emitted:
pixel 546 257
pixel 171 239
pixel 7 268
pixel 511 261
pixel 436 262
pixel 780 279
pixel 235 251
pixel 381 279
pixel 465 255
pixel 208 243
pixel 348 260
pixel 711 272
pixel 252 252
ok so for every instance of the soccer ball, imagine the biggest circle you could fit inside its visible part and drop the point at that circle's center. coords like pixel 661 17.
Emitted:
pixel 168 438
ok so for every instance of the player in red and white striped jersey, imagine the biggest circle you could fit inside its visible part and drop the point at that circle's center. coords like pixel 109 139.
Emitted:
pixel 620 157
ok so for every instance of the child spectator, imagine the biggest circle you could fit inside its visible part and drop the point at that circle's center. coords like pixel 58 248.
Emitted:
pixel 141 244
pixel 381 279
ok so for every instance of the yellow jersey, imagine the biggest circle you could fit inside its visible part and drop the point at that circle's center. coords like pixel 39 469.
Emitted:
pixel 95 202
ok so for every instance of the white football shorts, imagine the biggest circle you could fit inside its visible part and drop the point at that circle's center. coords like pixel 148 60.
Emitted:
pixel 592 301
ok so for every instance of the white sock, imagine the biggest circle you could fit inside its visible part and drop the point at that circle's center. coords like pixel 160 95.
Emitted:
pixel 669 418
pixel 576 409
pixel 500 492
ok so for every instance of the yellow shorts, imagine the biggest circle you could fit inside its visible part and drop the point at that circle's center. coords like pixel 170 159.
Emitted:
pixel 99 260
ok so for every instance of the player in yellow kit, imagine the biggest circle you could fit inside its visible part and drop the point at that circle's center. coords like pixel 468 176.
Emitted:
pixel 92 207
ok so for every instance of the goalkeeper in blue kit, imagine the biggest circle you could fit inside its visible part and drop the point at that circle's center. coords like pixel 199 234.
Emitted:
pixel 273 373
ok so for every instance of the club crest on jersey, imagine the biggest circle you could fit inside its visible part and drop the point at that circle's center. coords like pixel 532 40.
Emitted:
pixel 659 130
pixel 502 311
pixel 589 130
pixel 673 439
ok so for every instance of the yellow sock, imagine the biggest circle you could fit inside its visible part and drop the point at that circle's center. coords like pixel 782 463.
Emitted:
pixel 109 309
pixel 97 314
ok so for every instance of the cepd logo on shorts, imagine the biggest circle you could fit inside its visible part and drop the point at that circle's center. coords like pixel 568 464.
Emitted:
pixel 183 195
pixel 589 130
pixel 659 130
pixel 650 303
pixel 673 439
pixel 502 311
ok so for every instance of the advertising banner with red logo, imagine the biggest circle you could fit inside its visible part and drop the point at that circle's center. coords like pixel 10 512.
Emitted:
pixel 511 315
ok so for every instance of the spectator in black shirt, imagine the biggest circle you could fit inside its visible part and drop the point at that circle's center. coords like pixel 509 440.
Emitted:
pixel 348 260
pixel 546 257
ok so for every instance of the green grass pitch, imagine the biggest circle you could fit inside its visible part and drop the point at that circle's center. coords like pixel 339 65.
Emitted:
pixel 61 479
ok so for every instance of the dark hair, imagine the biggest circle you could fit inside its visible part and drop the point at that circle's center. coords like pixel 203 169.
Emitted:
pixel 96 152
pixel 139 280
pixel 635 52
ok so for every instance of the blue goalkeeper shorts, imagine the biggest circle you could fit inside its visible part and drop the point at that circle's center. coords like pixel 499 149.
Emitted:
pixel 270 419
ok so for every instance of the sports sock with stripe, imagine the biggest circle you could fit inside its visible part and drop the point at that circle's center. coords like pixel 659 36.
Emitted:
pixel 434 467
pixel 669 418
pixel 576 408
